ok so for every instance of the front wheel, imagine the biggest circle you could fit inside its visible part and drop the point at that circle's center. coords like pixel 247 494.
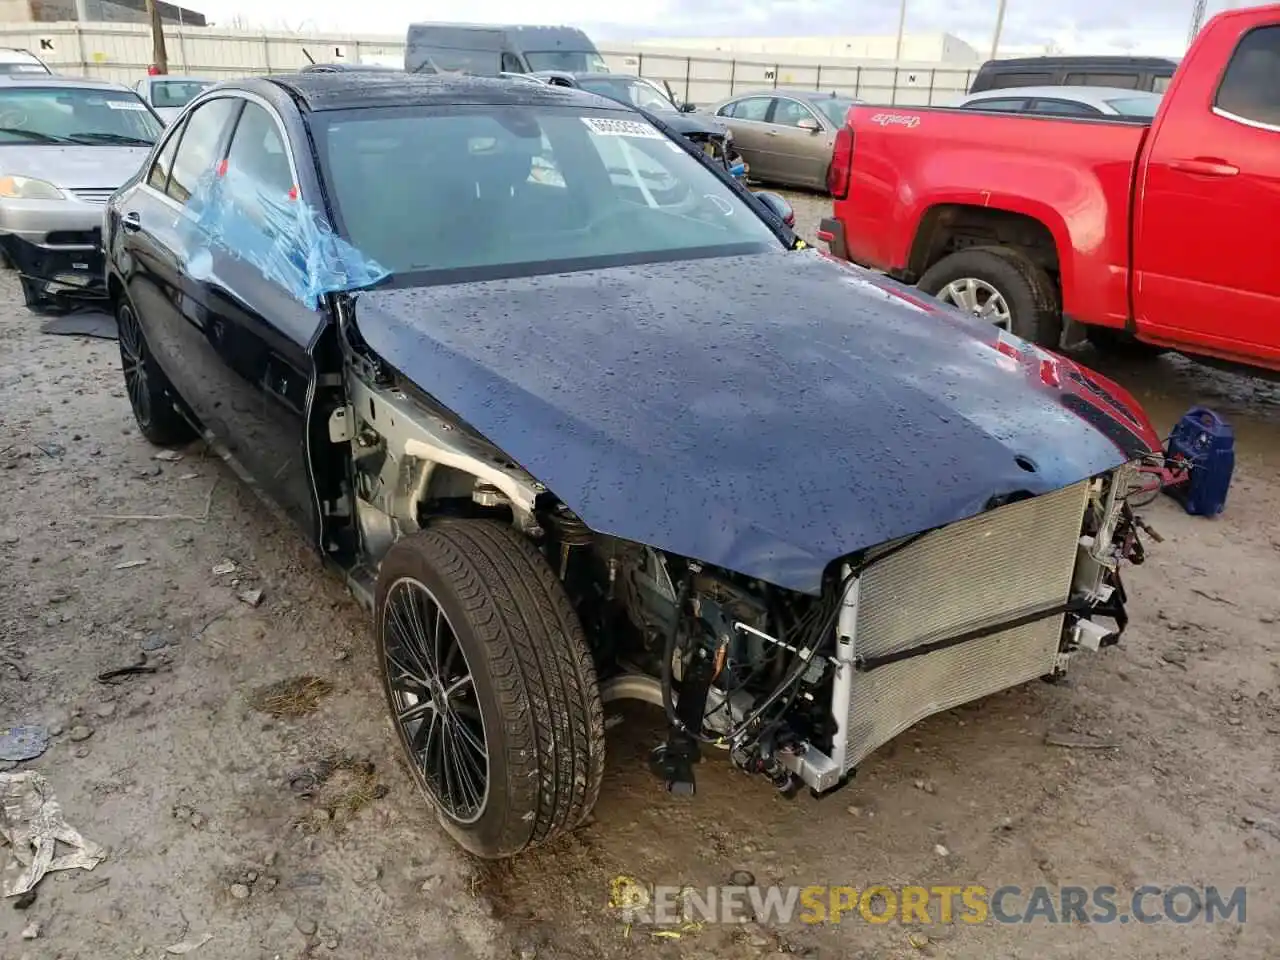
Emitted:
pixel 999 285
pixel 491 685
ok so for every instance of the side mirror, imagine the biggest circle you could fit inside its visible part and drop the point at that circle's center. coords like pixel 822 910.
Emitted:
pixel 810 124
pixel 778 204
pixel 688 107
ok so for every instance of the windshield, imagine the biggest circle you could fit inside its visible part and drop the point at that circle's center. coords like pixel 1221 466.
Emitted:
pixel 523 190
pixel 430 59
pixel 75 115
pixel 572 61
pixel 1135 106
pixel 176 93
pixel 835 108
pixel 636 93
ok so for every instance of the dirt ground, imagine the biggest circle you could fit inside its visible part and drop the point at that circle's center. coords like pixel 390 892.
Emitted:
pixel 218 820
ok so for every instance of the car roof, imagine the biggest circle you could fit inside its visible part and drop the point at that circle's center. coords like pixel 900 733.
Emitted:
pixel 319 91
pixel 1094 96
pixel 1085 60
pixel 60 80
pixel 794 94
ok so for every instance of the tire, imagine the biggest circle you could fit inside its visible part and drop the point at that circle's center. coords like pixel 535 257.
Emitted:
pixel 150 394
pixel 1119 343
pixel 532 695
pixel 1026 289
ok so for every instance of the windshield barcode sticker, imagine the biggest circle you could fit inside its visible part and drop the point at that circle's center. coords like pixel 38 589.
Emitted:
pixel 622 128
pixel 126 105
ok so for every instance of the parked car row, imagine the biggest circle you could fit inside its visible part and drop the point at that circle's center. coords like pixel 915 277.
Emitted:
pixel 582 421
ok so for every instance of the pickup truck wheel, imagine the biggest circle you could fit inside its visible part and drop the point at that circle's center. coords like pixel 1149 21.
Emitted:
pixel 999 285
pixel 150 394
pixel 491 685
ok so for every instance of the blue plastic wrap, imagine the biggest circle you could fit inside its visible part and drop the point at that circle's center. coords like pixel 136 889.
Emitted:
pixel 287 239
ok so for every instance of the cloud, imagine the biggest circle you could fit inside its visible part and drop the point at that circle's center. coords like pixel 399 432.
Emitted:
pixel 1078 26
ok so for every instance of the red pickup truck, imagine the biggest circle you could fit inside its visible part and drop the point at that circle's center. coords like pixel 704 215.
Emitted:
pixel 1159 236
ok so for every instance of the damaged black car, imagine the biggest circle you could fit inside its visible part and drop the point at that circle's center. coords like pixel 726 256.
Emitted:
pixel 581 420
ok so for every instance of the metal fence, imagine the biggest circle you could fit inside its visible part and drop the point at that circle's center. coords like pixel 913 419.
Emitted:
pixel 122 52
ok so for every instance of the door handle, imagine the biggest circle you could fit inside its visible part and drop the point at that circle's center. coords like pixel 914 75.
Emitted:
pixel 131 221
pixel 771 133
pixel 1205 167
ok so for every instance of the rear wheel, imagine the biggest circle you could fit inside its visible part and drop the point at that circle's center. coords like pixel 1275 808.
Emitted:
pixel 150 394
pixel 491 685
pixel 1001 286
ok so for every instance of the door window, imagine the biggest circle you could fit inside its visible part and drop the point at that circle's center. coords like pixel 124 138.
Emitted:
pixel 752 108
pixel 201 146
pixel 1064 108
pixel 158 175
pixel 1251 85
pixel 258 153
pixel 999 105
pixel 511 63
pixel 789 113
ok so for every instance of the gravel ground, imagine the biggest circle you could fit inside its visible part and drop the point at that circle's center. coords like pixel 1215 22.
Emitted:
pixel 810 207
pixel 216 825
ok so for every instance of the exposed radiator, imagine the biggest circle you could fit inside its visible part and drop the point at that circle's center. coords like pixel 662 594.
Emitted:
pixel 989 569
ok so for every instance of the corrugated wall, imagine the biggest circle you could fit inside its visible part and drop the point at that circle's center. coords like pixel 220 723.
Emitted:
pixel 122 52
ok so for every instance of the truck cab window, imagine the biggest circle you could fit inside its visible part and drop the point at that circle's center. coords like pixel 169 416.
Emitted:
pixel 1250 87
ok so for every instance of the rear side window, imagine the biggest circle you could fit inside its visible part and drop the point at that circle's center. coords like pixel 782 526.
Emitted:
pixel 199 149
pixel 1250 87
pixel 1000 79
pixel 1160 84
pixel 1125 81
pixel 158 175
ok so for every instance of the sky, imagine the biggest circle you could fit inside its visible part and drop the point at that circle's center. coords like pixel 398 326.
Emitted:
pixel 1147 27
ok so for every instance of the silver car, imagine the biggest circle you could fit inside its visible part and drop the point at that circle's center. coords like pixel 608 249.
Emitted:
pixel 66 144
pixel 1064 101
pixel 786 136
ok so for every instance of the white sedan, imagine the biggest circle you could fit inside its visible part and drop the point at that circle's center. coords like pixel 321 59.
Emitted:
pixel 1066 102
pixel 167 94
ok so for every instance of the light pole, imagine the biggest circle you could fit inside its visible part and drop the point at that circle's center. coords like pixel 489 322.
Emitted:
pixel 995 39
pixel 902 22
pixel 1197 20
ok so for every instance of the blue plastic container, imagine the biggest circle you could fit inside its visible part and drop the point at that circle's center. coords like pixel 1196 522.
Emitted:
pixel 1206 445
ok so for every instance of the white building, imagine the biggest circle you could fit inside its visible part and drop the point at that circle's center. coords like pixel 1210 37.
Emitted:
pixel 916 47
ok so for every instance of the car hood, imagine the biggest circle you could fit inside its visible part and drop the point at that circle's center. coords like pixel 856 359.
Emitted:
pixel 74 167
pixel 690 123
pixel 766 413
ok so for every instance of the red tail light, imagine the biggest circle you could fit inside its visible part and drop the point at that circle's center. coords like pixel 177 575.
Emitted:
pixel 841 164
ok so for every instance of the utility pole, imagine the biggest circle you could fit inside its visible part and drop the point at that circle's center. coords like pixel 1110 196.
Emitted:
pixel 902 22
pixel 159 59
pixel 995 39
pixel 1197 20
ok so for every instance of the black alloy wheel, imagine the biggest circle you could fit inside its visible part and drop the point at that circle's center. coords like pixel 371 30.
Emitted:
pixel 150 395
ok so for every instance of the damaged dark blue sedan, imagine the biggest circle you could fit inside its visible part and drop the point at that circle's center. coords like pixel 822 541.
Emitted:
pixel 583 421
